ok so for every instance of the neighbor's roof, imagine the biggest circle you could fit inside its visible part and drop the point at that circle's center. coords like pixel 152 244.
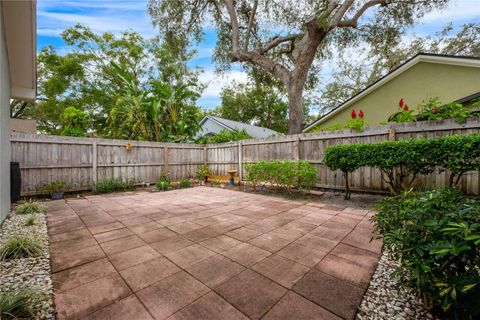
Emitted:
pixel 421 57
pixel 253 131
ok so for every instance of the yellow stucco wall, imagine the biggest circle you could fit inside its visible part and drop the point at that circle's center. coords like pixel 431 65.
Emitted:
pixel 419 83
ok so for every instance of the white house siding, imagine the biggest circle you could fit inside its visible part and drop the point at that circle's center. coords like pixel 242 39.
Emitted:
pixel 4 126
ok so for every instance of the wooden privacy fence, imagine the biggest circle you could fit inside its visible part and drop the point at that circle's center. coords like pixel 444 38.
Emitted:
pixel 82 161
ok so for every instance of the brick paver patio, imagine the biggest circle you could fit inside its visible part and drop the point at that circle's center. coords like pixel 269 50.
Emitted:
pixel 205 253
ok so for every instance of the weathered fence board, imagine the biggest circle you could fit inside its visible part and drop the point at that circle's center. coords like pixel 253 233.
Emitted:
pixel 82 161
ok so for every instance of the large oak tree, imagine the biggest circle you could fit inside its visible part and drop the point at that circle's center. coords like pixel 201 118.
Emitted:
pixel 287 38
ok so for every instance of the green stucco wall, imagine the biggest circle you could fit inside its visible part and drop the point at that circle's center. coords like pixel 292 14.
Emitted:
pixel 419 83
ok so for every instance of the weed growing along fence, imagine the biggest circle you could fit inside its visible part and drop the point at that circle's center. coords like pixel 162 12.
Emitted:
pixel 81 162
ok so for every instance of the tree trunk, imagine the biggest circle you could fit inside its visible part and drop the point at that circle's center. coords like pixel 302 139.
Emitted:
pixel 295 109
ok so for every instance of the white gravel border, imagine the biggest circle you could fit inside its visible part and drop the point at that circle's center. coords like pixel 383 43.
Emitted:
pixel 387 299
pixel 33 272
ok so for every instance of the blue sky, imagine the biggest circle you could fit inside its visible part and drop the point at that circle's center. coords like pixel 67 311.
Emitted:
pixel 54 16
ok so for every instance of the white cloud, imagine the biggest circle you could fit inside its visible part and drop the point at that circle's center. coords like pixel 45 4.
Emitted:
pixel 100 16
pixel 215 82
pixel 459 10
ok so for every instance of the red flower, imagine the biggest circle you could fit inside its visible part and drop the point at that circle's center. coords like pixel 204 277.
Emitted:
pixel 354 114
pixel 361 114
pixel 401 103
pixel 405 107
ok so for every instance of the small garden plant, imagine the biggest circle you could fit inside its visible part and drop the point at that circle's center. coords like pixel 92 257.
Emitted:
pixel 184 183
pixel 31 220
pixel 111 185
pixel 435 236
pixel 30 208
pixel 56 189
pixel 20 246
pixel 163 184
pixel 18 304
pixel 203 172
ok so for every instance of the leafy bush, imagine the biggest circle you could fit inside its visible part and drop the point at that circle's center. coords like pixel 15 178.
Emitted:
pixel 162 185
pixel 402 161
pixel 225 136
pixel 436 238
pixel 283 174
pixel 18 304
pixel 55 186
pixel 111 185
pixel 164 177
pixel 185 183
pixel 30 208
pixel 20 246
pixel 203 171
pixel 433 110
pixel 30 221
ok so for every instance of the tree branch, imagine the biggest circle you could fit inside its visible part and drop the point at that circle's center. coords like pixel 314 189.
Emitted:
pixel 250 24
pixel 276 41
pixel 353 22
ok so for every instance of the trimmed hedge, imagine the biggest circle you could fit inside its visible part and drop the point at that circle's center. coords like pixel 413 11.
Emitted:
pixel 435 236
pixel 402 161
pixel 285 175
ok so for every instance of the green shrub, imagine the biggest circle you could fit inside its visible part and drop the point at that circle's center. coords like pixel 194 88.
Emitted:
pixel 30 208
pixel 402 161
pixel 164 177
pixel 436 238
pixel 106 186
pixel 20 246
pixel 203 171
pixel 162 185
pixel 185 183
pixel 18 304
pixel 283 174
pixel 55 186
pixel 31 219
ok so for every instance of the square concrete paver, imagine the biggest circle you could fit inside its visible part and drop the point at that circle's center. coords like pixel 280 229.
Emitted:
pixel 193 254
pixel 171 294
pixel 147 273
pixel 337 296
pixel 251 293
pixel 246 254
pixel 281 270
pixel 212 307
pixel 215 270
pixel 293 306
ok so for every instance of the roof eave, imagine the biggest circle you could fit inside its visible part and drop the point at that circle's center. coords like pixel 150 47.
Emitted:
pixel 20 37
pixel 460 61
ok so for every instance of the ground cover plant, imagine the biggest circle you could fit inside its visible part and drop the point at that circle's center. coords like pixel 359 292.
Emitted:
pixel 435 236
pixel 184 183
pixel 284 175
pixel 111 185
pixel 18 304
pixel 30 208
pixel 402 161
pixel 20 246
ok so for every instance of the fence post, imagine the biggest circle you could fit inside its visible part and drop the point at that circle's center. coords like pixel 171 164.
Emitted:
pixel 165 158
pixel 296 147
pixel 205 155
pixel 94 162
pixel 240 161
pixel 392 134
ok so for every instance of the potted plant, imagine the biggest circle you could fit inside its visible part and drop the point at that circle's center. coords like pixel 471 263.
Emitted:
pixel 203 172
pixel 56 189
